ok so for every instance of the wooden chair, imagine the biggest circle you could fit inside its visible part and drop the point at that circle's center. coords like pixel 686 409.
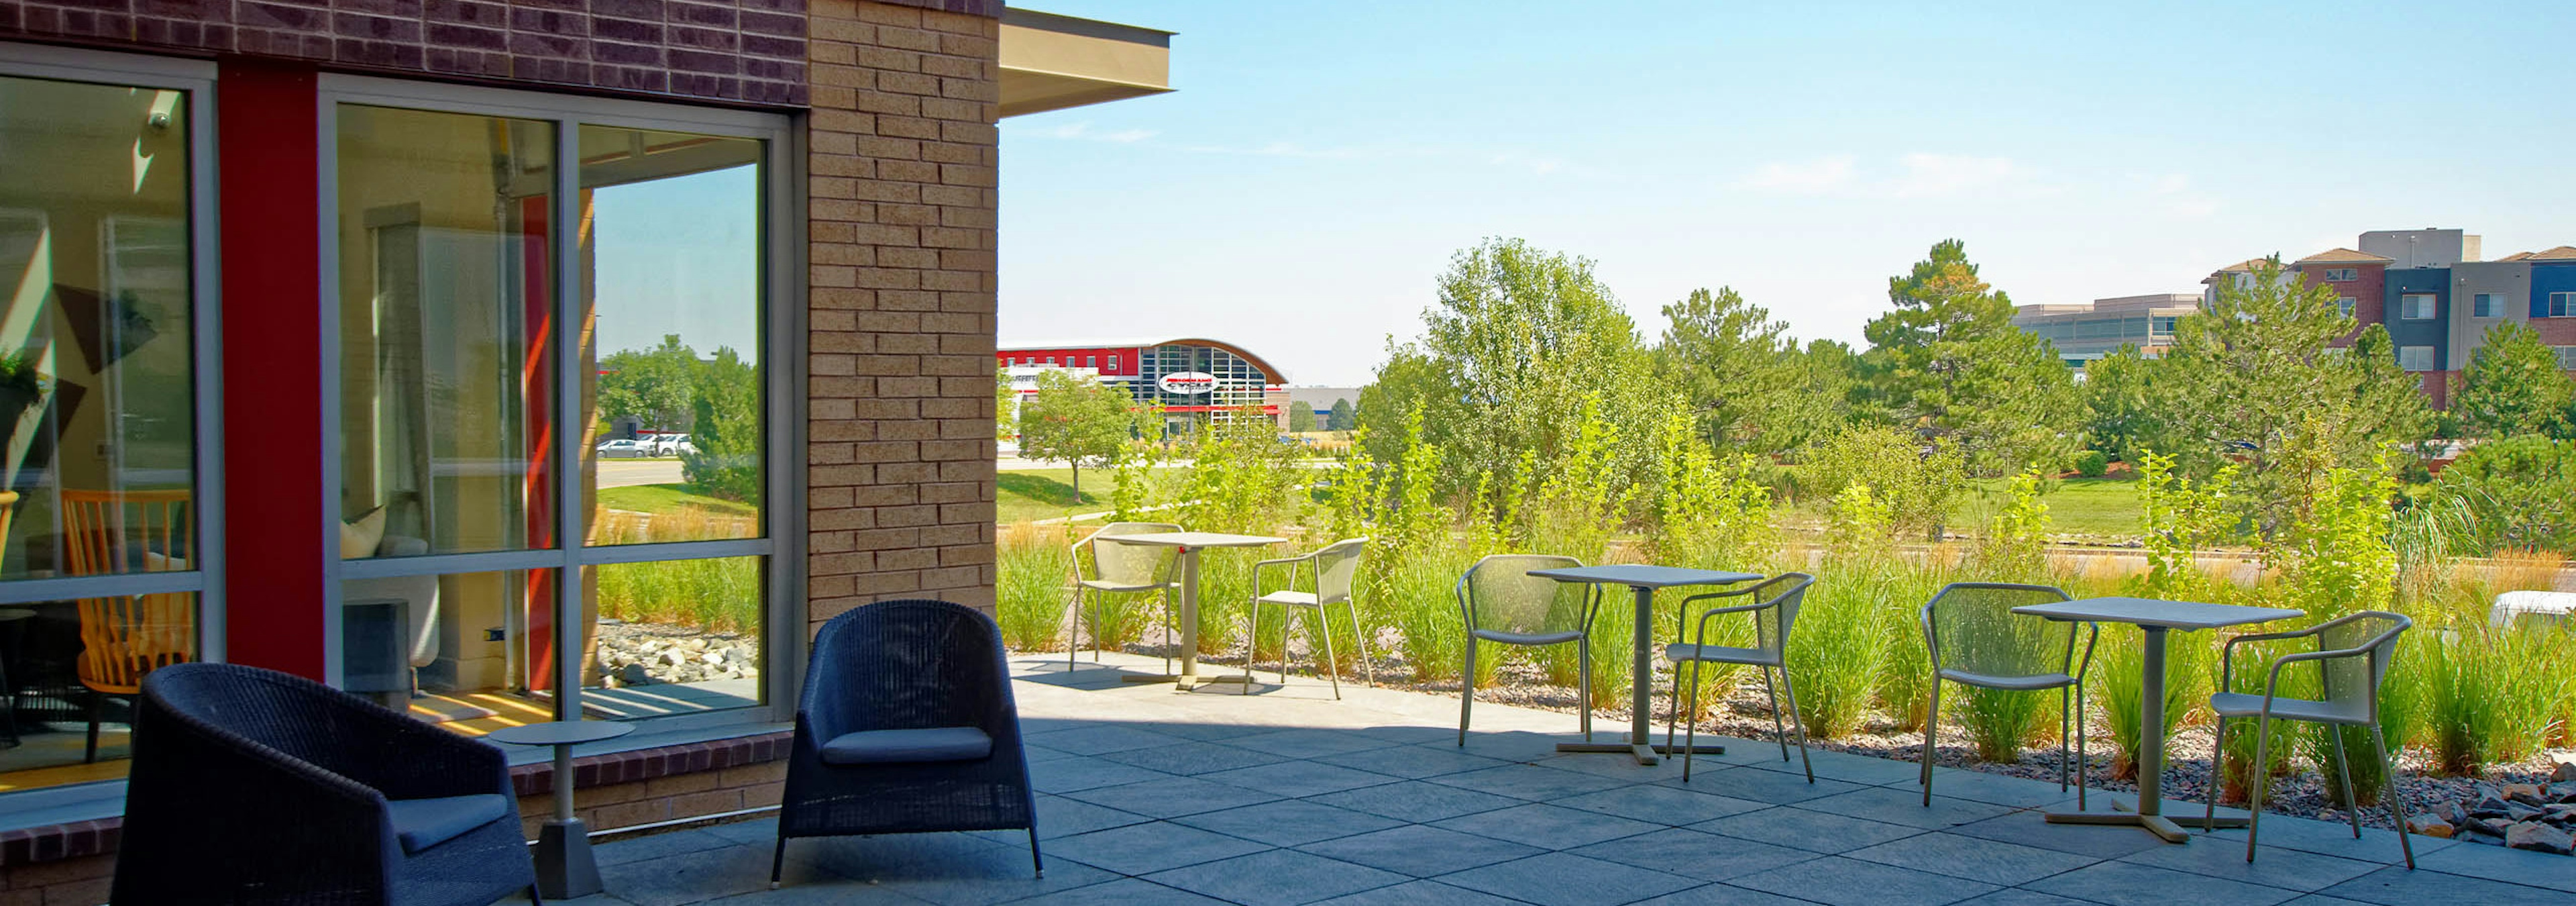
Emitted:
pixel 125 637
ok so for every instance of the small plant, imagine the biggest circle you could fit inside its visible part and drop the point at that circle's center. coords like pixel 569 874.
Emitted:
pixel 2092 464
pixel 1836 654
pixel 1032 589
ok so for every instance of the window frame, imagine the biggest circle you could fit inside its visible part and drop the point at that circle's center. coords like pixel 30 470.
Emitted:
pixel 783 543
pixel 2430 359
pixel 2566 357
pixel 196 80
pixel 2559 305
pixel 2406 306
pixel 2486 305
pixel 2342 274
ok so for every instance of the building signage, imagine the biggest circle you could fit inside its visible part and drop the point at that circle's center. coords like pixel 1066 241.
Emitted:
pixel 1191 383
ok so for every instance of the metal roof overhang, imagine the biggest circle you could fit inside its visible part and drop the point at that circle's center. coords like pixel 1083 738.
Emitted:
pixel 1052 62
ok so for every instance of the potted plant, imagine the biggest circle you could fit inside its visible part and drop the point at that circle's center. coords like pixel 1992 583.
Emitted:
pixel 20 388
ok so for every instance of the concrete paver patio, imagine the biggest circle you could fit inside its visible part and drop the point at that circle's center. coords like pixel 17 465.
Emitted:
pixel 1151 796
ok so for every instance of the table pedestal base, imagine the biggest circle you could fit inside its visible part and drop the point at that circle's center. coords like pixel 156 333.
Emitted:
pixel 565 867
pixel 1644 753
pixel 2171 829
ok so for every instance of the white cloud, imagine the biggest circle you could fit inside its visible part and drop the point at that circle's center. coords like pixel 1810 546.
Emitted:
pixel 1943 175
pixel 1824 175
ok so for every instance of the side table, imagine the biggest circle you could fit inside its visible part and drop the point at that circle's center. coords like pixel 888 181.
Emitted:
pixel 565 867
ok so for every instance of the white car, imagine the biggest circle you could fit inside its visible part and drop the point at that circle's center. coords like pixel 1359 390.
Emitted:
pixel 624 449
pixel 671 444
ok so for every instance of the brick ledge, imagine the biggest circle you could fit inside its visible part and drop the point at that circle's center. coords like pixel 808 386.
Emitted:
pixel 76 839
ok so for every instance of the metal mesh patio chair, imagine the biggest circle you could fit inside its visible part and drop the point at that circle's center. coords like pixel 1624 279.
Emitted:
pixel 906 725
pixel 1332 569
pixel 1502 603
pixel 1778 598
pixel 253 786
pixel 1974 639
pixel 1118 568
pixel 2352 656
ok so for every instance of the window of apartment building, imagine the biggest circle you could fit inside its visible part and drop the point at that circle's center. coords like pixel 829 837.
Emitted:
pixel 1091 361
pixel 2415 306
pixel 2566 357
pixel 2415 358
pixel 2161 326
pixel 504 541
pixel 2345 305
pixel 1113 363
pixel 2561 305
pixel 2342 274
pixel 2486 305
pixel 108 561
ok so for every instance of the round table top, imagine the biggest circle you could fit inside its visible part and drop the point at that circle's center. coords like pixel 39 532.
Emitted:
pixel 560 733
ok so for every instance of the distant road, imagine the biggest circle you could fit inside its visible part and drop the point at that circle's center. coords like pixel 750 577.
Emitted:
pixel 618 473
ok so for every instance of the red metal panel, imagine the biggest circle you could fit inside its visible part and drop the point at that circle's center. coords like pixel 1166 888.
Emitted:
pixel 277 517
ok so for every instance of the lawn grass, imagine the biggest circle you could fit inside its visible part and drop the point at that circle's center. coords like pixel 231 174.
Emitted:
pixel 1022 496
pixel 2105 508
pixel 664 498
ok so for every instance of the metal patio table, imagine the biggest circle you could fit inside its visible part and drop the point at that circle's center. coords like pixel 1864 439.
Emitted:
pixel 1190 543
pixel 1643 580
pixel 565 867
pixel 2155 618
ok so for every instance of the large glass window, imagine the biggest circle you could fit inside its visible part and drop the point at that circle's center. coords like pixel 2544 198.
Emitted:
pixel 602 521
pixel 99 522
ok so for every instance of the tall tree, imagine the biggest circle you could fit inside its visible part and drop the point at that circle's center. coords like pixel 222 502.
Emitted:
pixel 1074 420
pixel 1518 338
pixel 2126 404
pixel 1341 418
pixel 655 387
pixel 1004 421
pixel 1948 362
pixel 724 429
pixel 1828 377
pixel 1735 367
pixel 2512 386
pixel 2255 373
pixel 1301 416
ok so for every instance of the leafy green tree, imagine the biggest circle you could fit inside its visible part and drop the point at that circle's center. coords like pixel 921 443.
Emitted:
pixel 724 428
pixel 1736 368
pixel 2126 404
pixel 1301 416
pixel 2512 386
pixel 1517 340
pixel 2519 492
pixel 1003 421
pixel 1917 481
pixel 2256 370
pixel 1949 362
pixel 656 386
pixel 1341 417
pixel 1075 421
pixel 1828 377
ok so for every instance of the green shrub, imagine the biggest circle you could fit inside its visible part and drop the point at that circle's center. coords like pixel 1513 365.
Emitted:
pixel 2092 464
pixel 1031 588
pixel 2112 686
pixel 2520 493
pixel 1836 653
pixel 2494 695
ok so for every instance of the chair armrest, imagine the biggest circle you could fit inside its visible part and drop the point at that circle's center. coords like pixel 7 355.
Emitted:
pixel 1289 562
pixel 407 759
pixel 2273 681
pixel 2227 652
pixel 1700 631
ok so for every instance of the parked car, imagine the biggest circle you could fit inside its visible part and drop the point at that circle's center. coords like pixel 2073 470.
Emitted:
pixel 671 444
pixel 624 448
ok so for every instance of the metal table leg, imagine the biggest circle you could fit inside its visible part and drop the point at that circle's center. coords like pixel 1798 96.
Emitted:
pixel 1641 690
pixel 2151 758
pixel 565 866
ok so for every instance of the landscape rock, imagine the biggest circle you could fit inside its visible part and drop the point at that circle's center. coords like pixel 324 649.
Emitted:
pixel 2430 826
pixel 2452 811
pixel 634 675
pixel 2538 837
pixel 2565 773
pixel 2525 793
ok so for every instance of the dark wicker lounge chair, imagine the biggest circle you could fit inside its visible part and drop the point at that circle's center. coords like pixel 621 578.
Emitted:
pixel 906 725
pixel 252 786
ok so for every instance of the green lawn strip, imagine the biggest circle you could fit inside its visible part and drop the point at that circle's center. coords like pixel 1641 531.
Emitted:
pixel 2102 507
pixel 664 498
pixel 1033 494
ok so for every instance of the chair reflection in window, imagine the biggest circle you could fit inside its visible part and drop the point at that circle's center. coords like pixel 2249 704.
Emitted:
pixel 125 637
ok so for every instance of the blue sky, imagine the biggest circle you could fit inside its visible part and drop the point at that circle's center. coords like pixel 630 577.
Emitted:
pixel 680 255
pixel 1320 162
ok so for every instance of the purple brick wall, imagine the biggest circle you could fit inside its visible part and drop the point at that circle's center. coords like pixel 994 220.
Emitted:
pixel 751 51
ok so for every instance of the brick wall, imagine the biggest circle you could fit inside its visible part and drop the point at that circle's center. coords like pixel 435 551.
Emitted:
pixel 738 50
pixel 903 155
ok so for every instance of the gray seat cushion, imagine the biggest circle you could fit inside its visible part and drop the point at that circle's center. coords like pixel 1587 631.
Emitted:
pixel 424 823
pixel 908 746
pixel 2008 683
pixel 1523 638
